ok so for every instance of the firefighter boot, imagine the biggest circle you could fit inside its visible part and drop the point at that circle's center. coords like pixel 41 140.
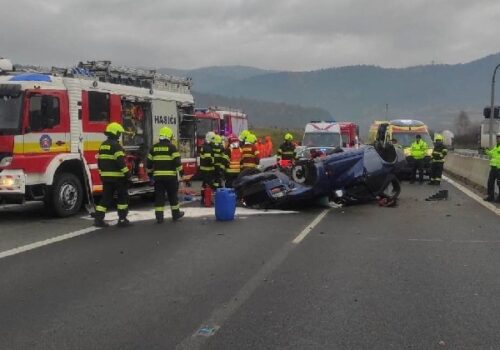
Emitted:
pixel 177 214
pixel 159 217
pixel 99 220
pixel 122 219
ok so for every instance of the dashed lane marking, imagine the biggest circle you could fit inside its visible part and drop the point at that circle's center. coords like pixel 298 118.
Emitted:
pixel 221 314
pixel 474 196
pixel 310 227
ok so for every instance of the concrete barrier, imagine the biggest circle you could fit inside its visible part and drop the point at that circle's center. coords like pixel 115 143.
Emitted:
pixel 471 168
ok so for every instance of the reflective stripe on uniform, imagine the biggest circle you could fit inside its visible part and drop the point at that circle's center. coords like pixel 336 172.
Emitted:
pixel 207 168
pixel 163 157
pixel 175 207
pixel 106 156
pixel 119 154
pixel 124 170
pixel 159 208
pixel 164 173
pixel 112 174
pixel 101 208
pixel 122 206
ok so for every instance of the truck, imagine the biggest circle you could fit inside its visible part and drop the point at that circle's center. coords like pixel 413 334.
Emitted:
pixel 350 134
pixel 404 132
pixel 224 121
pixel 485 126
pixel 52 123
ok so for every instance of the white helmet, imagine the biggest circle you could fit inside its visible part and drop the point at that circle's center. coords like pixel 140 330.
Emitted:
pixel 209 137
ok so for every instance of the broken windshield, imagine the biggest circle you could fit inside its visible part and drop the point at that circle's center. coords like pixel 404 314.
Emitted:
pixel 10 114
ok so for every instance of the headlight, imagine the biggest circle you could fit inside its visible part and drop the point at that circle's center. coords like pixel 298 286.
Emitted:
pixel 6 161
pixel 8 181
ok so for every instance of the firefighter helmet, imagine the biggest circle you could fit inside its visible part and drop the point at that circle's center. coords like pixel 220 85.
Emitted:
pixel 166 133
pixel 438 137
pixel 217 139
pixel 114 129
pixel 243 135
pixel 209 137
pixel 251 138
pixel 288 137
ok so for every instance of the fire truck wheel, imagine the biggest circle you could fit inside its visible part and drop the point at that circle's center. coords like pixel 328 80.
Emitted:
pixel 66 195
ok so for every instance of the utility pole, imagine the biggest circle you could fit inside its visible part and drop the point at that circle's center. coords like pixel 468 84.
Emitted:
pixel 386 111
pixel 492 110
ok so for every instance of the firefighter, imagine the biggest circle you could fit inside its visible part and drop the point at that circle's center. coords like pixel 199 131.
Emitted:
pixel 287 149
pixel 164 165
pixel 219 163
pixel 233 159
pixel 494 175
pixel 418 150
pixel 249 153
pixel 243 135
pixel 437 163
pixel 114 176
pixel 207 167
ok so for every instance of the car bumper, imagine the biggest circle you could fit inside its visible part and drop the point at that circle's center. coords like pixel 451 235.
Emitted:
pixel 12 186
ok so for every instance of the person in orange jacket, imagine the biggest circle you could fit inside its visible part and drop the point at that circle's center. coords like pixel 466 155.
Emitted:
pixel 268 146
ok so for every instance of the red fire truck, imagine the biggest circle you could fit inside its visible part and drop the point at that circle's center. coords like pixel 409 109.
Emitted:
pixel 221 120
pixel 350 134
pixel 52 123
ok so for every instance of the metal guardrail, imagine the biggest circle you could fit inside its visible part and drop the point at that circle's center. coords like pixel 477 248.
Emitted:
pixel 469 153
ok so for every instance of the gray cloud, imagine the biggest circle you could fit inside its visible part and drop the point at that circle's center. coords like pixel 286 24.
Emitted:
pixel 278 34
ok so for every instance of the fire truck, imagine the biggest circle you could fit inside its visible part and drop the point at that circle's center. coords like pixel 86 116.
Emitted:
pixel 350 134
pixel 224 121
pixel 52 123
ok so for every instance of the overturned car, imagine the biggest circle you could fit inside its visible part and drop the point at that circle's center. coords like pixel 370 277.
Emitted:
pixel 348 176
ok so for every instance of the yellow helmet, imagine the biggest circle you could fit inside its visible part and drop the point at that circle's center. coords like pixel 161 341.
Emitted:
pixel 438 137
pixel 114 129
pixel 288 137
pixel 217 139
pixel 251 138
pixel 166 133
pixel 209 137
pixel 243 135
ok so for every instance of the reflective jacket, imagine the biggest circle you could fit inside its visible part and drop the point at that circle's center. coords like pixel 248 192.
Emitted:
pixel 418 149
pixel 111 161
pixel 249 156
pixel 494 154
pixel 218 151
pixel 164 161
pixel 233 159
pixel 286 151
pixel 207 160
pixel 439 152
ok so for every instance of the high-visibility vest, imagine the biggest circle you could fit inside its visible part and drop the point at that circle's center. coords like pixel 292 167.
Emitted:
pixel 234 159
pixel 249 156
pixel 494 154
pixel 418 149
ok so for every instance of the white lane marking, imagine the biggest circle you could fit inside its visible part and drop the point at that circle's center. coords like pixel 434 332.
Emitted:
pixel 224 312
pixel 310 227
pixel 474 196
pixel 190 212
pixel 39 244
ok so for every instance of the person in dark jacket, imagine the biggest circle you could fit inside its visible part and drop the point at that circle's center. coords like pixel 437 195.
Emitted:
pixel 437 163
pixel 207 166
pixel 286 151
pixel 114 175
pixel 164 165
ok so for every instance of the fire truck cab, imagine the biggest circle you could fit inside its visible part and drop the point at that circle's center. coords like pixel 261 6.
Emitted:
pixel 52 124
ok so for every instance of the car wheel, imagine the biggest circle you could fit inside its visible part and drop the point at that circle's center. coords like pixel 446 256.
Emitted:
pixel 66 195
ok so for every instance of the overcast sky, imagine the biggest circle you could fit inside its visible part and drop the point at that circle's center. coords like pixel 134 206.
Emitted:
pixel 275 34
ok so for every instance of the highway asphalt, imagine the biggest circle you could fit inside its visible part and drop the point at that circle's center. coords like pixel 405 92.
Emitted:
pixel 423 275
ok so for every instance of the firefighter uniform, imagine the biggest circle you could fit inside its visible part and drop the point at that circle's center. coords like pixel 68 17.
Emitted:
pixel 249 153
pixel 287 149
pixel 232 158
pixel 494 175
pixel 219 162
pixel 164 164
pixel 418 150
pixel 114 175
pixel 207 165
pixel 437 163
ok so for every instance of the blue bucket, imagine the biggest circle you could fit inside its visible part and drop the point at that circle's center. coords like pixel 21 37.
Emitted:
pixel 225 204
